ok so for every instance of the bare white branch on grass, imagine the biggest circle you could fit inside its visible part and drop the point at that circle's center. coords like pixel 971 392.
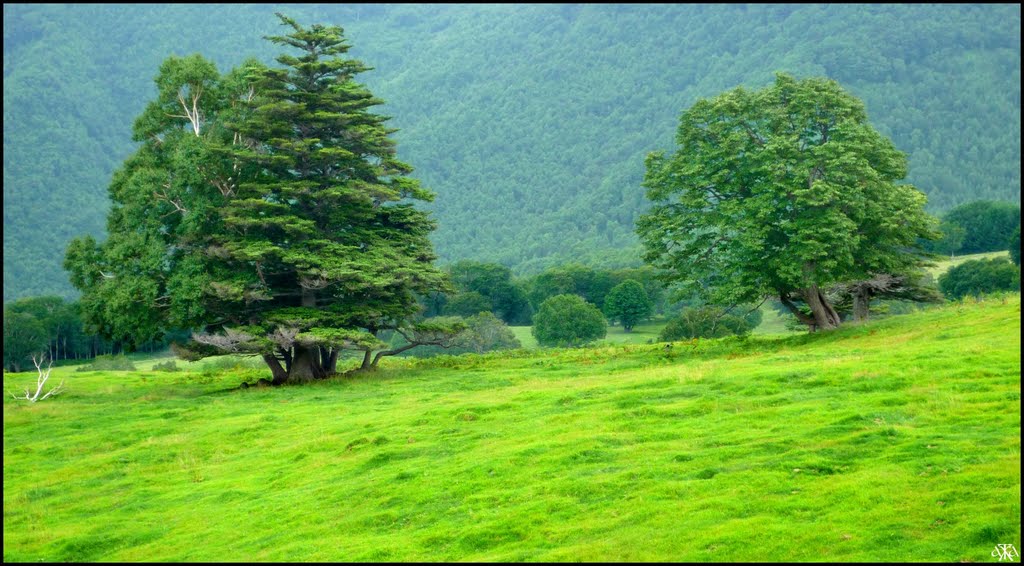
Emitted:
pixel 41 381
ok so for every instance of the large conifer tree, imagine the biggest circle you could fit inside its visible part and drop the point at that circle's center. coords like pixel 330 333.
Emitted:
pixel 267 208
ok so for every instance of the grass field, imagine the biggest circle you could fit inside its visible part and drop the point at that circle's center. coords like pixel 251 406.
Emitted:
pixel 642 333
pixel 525 336
pixel 897 440
pixel 944 264
pixel 648 331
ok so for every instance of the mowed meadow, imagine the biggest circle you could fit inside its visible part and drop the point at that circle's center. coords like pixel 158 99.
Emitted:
pixel 897 439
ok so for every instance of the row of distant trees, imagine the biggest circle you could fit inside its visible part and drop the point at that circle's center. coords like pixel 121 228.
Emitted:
pixel 481 286
pixel 53 327
pixel 627 296
pixel 977 227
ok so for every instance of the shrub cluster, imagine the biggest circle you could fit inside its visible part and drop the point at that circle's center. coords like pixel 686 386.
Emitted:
pixel 980 276
pixel 705 322
pixel 568 320
pixel 119 362
pixel 170 365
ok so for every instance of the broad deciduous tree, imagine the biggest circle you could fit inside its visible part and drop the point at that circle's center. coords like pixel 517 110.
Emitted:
pixel 952 238
pixel 568 320
pixel 467 303
pixel 628 303
pixel 24 336
pixel 986 224
pixel 782 191
pixel 494 282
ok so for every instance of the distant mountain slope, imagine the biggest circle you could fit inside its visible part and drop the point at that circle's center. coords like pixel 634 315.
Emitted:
pixel 530 122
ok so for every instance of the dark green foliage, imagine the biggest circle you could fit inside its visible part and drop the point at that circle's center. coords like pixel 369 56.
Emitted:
pixel 494 282
pixel 648 277
pixel 589 283
pixel 60 323
pixel 168 366
pixel 952 239
pixel 628 303
pixel 1015 246
pixel 784 192
pixel 466 304
pixel 593 284
pixel 568 320
pixel 705 322
pixel 987 225
pixel 750 313
pixel 980 276
pixel 529 121
pixel 24 336
pixel 266 206
pixel 63 329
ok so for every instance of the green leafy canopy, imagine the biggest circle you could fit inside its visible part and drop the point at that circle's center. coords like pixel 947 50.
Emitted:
pixel 781 191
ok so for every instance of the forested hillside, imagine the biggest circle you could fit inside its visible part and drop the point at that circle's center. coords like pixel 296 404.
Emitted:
pixel 530 122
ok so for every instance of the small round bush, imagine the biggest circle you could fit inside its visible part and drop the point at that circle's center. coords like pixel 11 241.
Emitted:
pixel 704 322
pixel 980 276
pixel 484 333
pixel 628 303
pixel 568 320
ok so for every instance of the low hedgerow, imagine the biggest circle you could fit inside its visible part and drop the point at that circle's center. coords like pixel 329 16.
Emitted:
pixel 704 322
pixel 119 362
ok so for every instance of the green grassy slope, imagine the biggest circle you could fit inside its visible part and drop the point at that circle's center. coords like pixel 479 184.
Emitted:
pixel 945 264
pixel 894 440
pixel 647 330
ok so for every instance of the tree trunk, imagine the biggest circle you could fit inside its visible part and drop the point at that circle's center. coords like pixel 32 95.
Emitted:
pixel 366 359
pixel 861 304
pixel 825 317
pixel 331 367
pixel 324 355
pixel 308 298
pixel 305 365
pixel 279 373
pixel 803 318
